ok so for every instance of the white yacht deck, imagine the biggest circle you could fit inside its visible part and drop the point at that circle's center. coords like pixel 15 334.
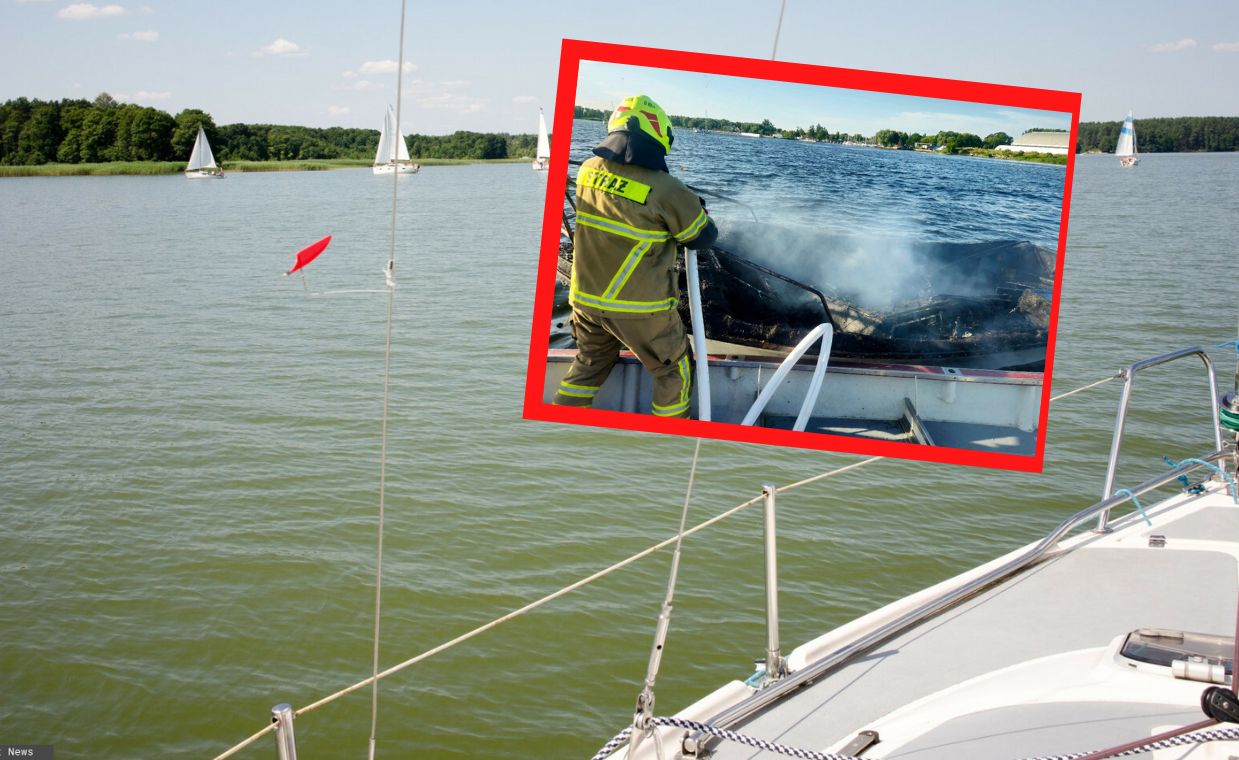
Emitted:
pixel 1035 666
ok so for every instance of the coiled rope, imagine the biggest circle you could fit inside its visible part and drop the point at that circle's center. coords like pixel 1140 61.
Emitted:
pixel 1195 737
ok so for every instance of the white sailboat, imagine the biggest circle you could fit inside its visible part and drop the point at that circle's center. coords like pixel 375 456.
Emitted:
pixel 542 159
pixel 1126 149
pixel 393 153
pixel 202 160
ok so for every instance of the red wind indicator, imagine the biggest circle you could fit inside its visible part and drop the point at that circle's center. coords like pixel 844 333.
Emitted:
pixel 309 253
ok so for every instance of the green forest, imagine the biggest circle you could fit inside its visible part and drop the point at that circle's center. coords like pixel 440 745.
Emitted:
pixel 1170 135
pixel 1179 134
pixel 36 132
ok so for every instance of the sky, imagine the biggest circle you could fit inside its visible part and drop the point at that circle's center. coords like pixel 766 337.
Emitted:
pixel 487 66
pixel 790 104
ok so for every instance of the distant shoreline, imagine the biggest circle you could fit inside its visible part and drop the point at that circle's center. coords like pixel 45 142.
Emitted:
pixel 150 168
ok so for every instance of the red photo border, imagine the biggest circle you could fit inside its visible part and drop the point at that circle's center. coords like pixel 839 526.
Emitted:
pixel 574 51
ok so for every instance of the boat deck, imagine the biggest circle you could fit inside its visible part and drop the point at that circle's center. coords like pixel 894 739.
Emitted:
pixel 980 410
pixel 1036 669
pixel 954 435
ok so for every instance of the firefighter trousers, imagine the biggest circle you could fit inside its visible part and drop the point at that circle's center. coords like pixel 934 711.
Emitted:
pixel 659 342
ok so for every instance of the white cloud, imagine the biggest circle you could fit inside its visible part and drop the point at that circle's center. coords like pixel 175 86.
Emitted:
pixel 1173 47
pixel 350 74
pixel 88 11
pixel 383 67
pixel 337 110
pixel 451 101
pixel 148 36
pixel 1227 47
pixel 525 99
pixel 455 83
pixel 34 1
pixel 281 46
pixel 363 85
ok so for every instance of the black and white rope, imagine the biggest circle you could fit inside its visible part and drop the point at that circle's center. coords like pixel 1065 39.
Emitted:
pixel 620 739
pixel 1197 737
pixel 769 746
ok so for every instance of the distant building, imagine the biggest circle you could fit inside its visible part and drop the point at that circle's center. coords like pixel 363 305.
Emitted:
pixel 924 146
pixel 1041 142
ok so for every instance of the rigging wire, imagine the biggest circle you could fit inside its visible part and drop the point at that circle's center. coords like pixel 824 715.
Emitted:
pixel 571 587
pixel 775 50
pixel 645 700
pixel 389 277
pixel 644 713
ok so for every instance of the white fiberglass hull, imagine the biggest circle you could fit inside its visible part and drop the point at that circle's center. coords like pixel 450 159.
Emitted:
pixel 1114 634
pixel 203 174
pixel 1035 665
pixel 396 168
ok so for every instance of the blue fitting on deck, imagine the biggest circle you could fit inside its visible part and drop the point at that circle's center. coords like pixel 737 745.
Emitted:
pixel 756 678
pixel 1234 491
pixel 1136 502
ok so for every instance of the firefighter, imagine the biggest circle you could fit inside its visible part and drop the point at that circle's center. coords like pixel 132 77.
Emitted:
pixel 631 216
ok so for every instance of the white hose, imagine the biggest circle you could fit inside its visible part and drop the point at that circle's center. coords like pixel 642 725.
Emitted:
pixel 824 331
pixel 699 337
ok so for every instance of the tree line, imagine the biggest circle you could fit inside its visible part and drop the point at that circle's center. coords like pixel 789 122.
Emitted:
pixel 1178 134
pixel 763 127
pixel 70 131
pixel 1162 135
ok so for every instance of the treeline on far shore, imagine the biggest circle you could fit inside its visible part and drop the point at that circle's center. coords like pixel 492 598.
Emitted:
pixel 36 132
pixel 1179 134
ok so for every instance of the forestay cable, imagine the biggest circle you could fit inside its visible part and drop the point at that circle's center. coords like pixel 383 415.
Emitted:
pixel 645 700
pixel 564 591
pixel 644 713
pixel 774 51
pixel 390 278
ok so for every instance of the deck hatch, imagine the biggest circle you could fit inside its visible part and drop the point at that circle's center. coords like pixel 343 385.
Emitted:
pixel 1195 652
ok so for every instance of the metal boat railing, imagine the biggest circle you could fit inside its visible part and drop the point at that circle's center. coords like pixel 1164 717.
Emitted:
pixel 785 686
pixel 1116 442
pixel 775 686
pixel 776 682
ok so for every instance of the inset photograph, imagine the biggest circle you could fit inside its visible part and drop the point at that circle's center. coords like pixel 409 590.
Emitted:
pixel 802 256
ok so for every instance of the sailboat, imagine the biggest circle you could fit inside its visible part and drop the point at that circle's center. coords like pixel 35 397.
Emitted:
pixel 542 159
pixel 393 153
pixel 201 160
pixel 1126 149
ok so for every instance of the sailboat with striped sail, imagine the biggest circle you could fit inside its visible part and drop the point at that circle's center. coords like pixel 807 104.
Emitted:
pixel 1126 149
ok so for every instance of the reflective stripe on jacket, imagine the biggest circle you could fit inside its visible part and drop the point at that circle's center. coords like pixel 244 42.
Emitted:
pixel 629 220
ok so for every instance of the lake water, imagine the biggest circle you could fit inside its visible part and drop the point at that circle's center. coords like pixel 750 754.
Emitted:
pixel 190 442
pixel 853 190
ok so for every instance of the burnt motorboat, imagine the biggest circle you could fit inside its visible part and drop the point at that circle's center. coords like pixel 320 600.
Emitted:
pixel 981 305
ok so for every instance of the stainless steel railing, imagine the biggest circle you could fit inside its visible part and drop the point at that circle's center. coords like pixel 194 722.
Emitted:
pixel 694 743
pixel 1116 442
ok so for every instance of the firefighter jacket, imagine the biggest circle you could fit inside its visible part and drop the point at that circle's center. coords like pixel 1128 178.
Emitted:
pixel 629 220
